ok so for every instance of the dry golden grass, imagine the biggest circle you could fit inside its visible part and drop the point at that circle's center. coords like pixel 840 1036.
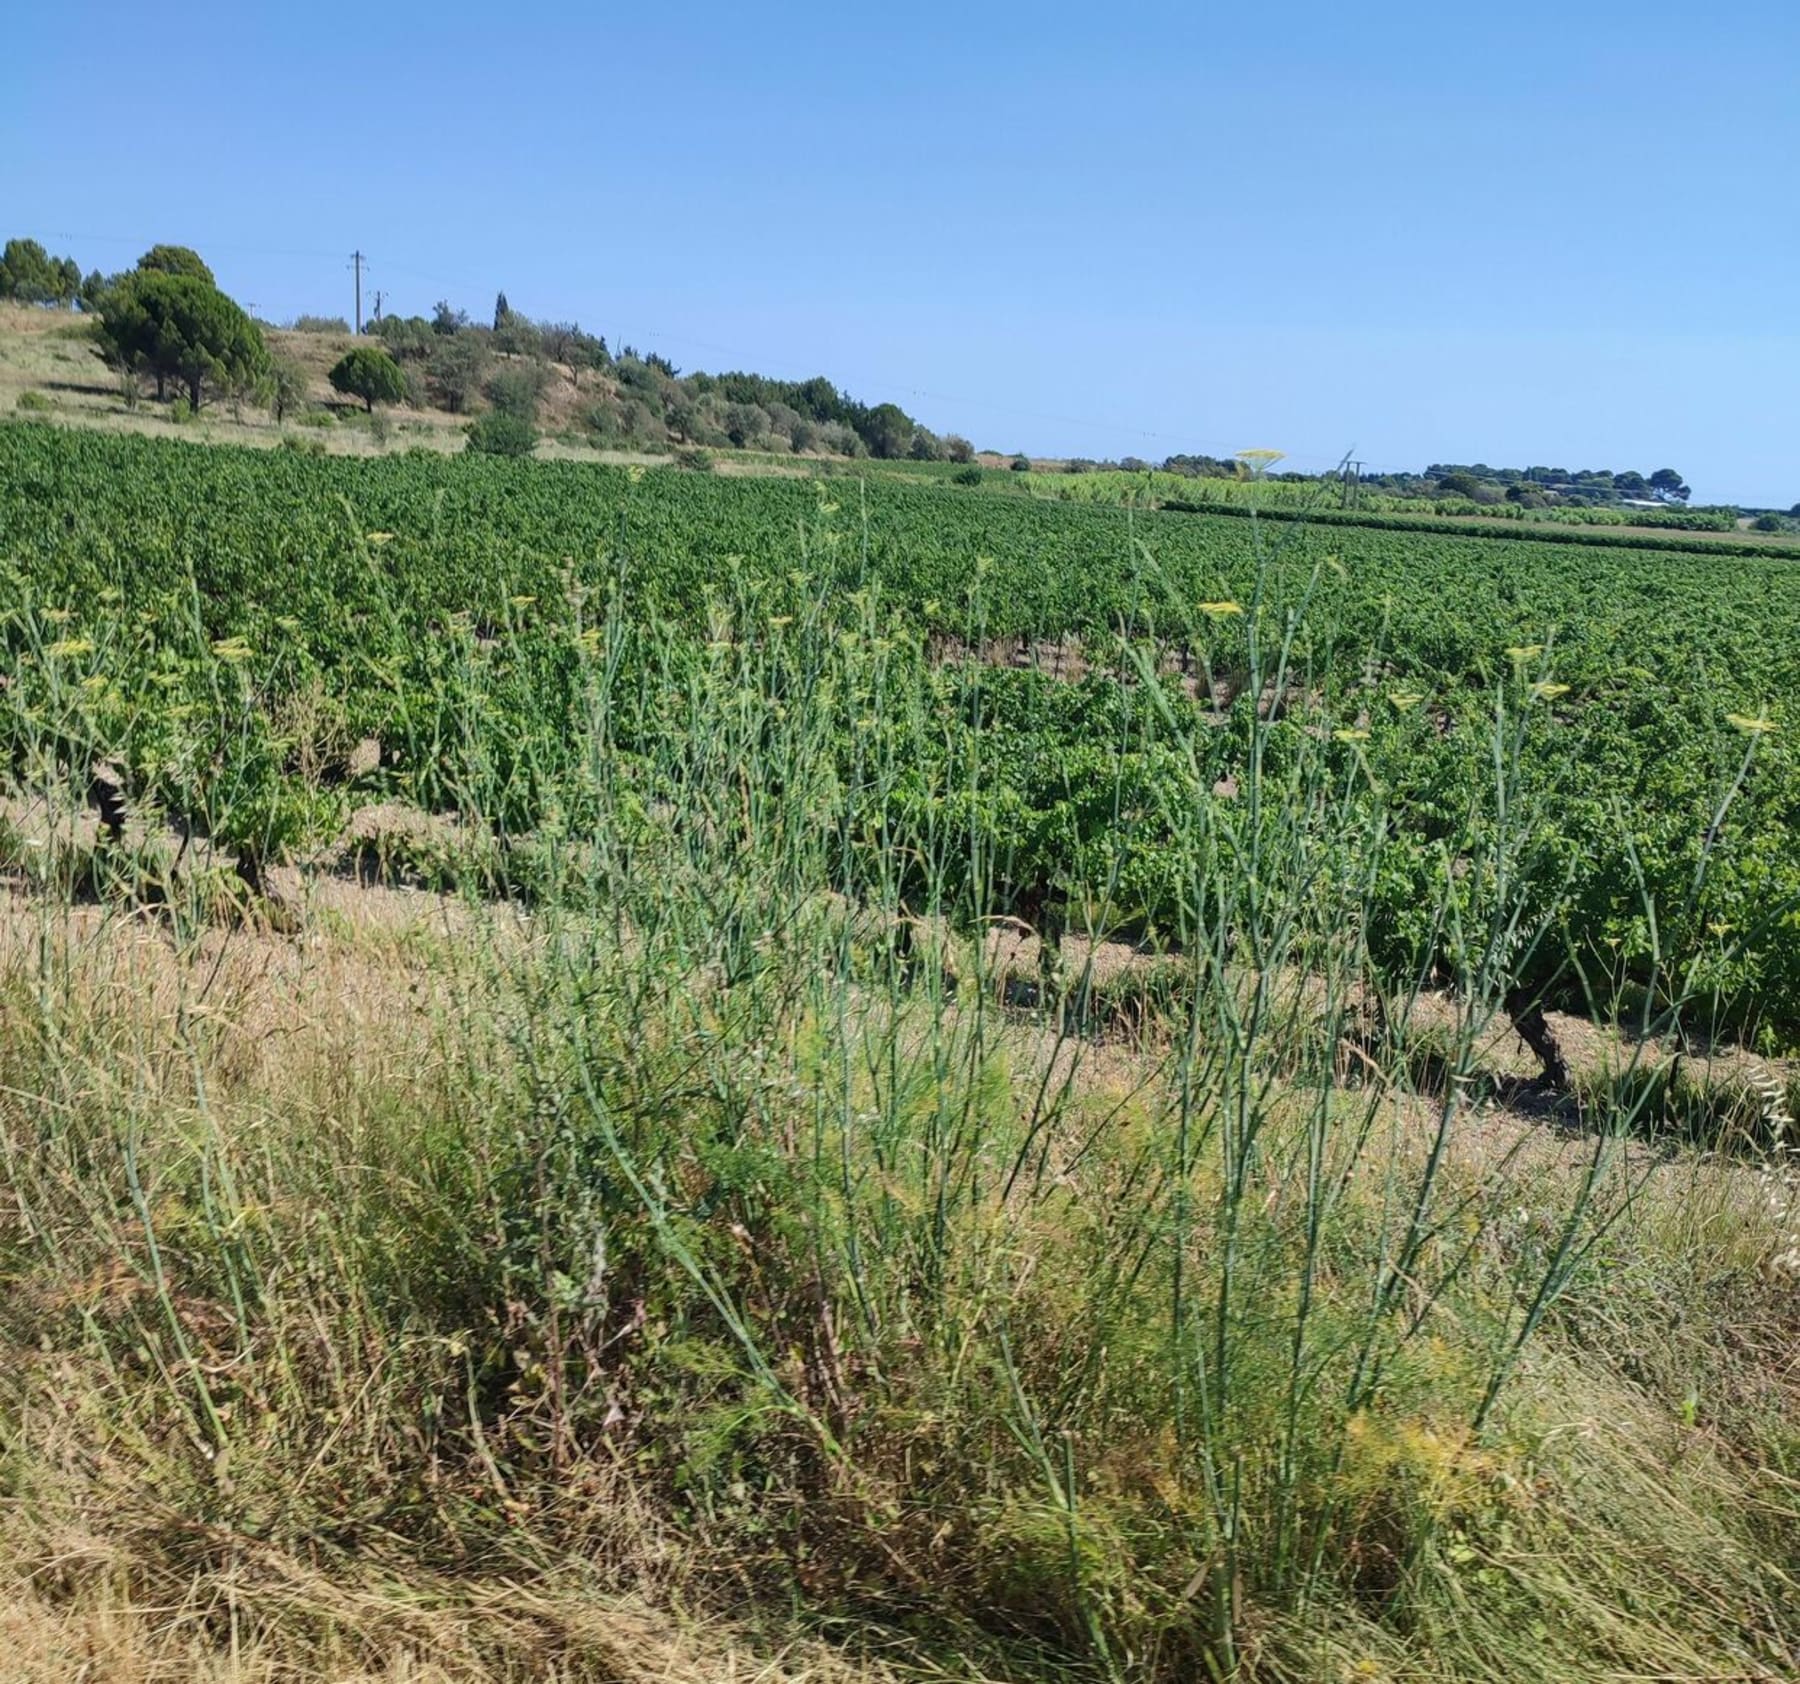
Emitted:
pixel 74 1610
pixel 293 1030
pixel 314 1019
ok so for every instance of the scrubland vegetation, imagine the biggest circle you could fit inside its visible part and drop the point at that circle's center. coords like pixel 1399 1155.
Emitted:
pixel 618 1075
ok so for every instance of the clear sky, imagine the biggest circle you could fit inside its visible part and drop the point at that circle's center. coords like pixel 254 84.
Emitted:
pixel 1554 233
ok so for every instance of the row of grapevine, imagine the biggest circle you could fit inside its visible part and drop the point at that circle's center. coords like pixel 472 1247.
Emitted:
pixel 223 623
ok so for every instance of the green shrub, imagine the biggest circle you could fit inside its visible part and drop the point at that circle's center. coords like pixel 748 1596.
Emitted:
pixel 1021 464
pixel 500 434
pixel 303 447
pixel 285 389
pixel 33 403
pixel 700 461
pixel 369 373
pixel 316 418
pixel 320 324
pixel 516 388
pixel 970 475
pixel 181 412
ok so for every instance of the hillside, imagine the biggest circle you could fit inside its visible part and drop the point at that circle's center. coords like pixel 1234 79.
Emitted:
pixel 54 354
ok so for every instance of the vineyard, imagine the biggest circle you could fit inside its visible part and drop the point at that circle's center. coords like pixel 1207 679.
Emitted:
pixel 967 1081
pixel 176 611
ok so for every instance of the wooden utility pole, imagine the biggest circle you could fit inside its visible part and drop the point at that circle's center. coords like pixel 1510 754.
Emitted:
pixel 379 296
pixel 356 263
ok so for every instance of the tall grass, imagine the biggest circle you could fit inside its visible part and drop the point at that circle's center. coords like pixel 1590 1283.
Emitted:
pixel 704 1202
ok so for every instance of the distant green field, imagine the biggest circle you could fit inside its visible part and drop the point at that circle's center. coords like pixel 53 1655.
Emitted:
pixel 1156 487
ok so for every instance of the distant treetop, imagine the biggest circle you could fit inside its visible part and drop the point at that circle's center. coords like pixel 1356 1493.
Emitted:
pixel 176 260
pixel 31 275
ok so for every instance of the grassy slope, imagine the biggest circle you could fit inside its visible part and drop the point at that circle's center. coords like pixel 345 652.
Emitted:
pixel 52 353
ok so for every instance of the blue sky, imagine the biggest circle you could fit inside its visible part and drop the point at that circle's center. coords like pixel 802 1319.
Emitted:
pixel 1562 234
